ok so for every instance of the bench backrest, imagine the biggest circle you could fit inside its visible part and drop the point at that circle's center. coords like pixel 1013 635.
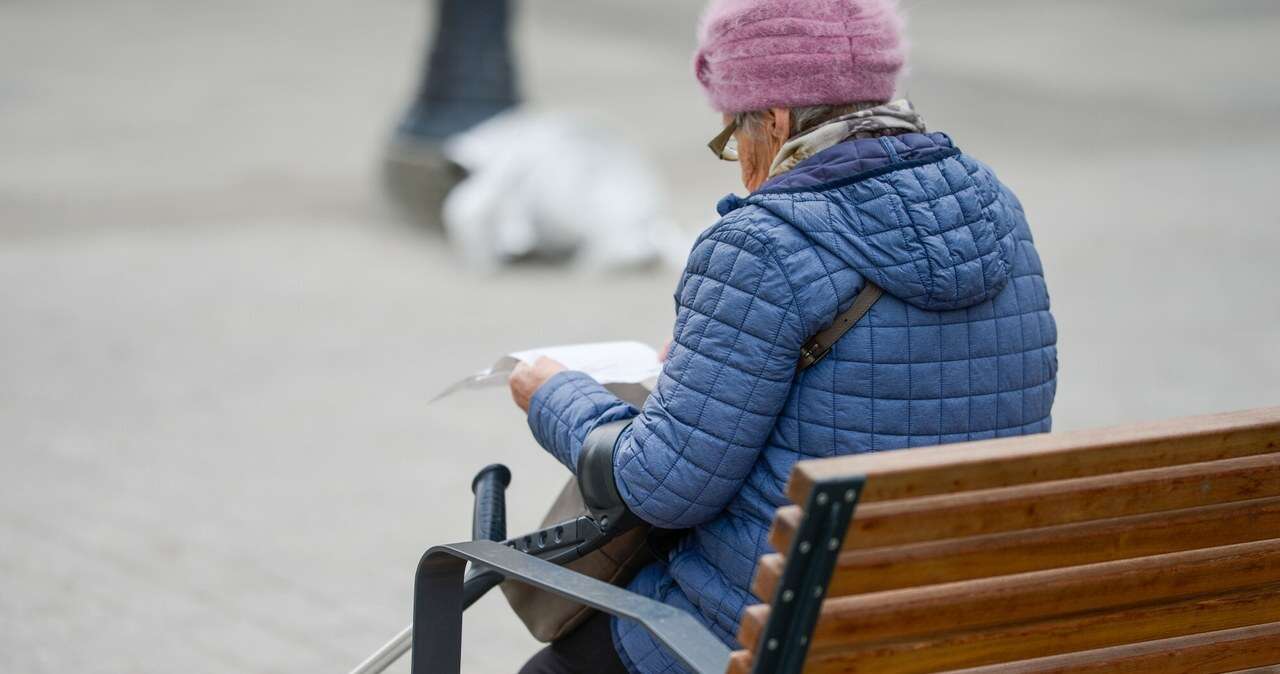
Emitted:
pixel 1104 550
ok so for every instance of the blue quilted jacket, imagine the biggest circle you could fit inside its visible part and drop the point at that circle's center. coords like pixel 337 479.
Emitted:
pixel 961 347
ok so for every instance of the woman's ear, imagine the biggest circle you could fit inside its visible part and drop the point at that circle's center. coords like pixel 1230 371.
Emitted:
pixel 780 125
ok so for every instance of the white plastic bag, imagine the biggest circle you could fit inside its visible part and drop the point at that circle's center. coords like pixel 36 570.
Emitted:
pixel 552 185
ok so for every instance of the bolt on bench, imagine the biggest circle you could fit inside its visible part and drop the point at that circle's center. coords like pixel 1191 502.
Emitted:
pixel 1147 548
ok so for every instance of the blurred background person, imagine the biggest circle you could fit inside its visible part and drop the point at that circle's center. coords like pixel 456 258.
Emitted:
pixel 462 159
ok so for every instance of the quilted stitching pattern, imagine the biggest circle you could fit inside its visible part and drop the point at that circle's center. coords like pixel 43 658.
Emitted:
pixel 961 348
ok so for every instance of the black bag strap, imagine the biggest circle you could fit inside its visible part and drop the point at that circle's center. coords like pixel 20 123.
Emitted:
pixel 820 344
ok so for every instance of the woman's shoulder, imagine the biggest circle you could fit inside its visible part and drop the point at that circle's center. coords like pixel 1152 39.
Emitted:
pixel 766 257
pixel 757 229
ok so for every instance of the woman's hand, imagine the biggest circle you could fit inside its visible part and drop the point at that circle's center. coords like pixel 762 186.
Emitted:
pixel 527 379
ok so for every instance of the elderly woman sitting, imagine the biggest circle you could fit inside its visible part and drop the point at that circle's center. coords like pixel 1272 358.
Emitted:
pixel 849 194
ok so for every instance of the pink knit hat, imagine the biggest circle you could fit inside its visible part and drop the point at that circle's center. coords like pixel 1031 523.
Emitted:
pixel 759 54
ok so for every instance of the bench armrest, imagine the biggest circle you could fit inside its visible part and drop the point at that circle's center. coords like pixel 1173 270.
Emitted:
pixel 438 605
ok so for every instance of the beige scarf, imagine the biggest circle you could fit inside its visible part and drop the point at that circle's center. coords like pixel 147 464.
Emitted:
pixel 891 118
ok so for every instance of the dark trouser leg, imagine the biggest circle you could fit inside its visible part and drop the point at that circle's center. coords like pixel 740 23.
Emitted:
pixel 467 77
pixel 588 650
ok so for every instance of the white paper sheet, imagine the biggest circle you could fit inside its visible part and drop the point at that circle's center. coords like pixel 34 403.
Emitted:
pixel 628 369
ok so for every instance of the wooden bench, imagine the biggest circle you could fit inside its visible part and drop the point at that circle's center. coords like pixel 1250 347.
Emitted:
pixel 1149 548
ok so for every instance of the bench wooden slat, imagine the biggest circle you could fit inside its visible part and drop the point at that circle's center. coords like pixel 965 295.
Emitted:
pixel 879 569
pixel 1061 502
pixel 1209 653
pixel 1023 460
pixel 1003 600
pixel 1061 635
pixel 1151 548
pixel 740 662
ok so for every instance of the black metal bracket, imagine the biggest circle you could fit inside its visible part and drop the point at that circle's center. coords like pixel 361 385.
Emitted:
pixel 438 605
pixel 810 562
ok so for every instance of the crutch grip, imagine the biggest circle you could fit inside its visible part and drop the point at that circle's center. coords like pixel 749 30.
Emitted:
pixel 489 520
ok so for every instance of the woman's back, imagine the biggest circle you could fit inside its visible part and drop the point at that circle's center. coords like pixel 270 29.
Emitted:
pixel 961 347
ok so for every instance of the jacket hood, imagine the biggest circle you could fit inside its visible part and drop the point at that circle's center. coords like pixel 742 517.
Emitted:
pixel 925 222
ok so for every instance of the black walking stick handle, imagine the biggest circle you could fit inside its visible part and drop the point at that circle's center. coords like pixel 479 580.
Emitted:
pixel 489 520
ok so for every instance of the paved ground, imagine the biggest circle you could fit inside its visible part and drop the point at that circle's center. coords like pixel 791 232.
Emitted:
pixel 216 343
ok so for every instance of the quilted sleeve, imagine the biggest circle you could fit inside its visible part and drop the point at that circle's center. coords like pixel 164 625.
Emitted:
pixel 564 411
pixel 733 359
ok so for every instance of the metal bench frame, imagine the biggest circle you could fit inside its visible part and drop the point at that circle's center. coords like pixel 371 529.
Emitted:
pixel 438 594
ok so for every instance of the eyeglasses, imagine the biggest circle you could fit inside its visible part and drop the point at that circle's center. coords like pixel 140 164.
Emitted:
pixel 725 146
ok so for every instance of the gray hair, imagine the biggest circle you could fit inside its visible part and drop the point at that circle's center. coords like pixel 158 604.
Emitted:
pixel 803 118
